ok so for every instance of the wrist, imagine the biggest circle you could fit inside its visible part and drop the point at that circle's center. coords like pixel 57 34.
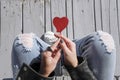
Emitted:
pixel 47 74
pixel 75 65
pixel 44 74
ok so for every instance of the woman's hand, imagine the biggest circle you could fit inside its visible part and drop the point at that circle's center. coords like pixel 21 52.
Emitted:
pixel 69 49
pixel 50 59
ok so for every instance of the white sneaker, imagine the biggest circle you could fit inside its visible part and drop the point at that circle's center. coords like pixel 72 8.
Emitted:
pixel 49 37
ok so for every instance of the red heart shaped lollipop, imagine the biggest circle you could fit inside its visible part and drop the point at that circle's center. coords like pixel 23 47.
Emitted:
pixel 60 23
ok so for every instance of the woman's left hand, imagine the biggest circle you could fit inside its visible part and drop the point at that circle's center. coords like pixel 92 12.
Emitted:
pixel 69 50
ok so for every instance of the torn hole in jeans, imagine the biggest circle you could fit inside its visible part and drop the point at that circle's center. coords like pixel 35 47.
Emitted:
pixel 26 40
pixel 107 40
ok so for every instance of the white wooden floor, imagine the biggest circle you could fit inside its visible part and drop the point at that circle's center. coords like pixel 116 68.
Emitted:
pixel 85 16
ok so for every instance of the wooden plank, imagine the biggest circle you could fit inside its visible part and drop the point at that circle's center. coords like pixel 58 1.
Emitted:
pixel 105 11
pixel 83 17
pixel 97 14
pixel 68 6
pixel 66 78
pixel 58 10
pixel 118 15
pixel 58 78
pixel 11 25
pixel 33 16
pixel 48 16
pixel 115 30
pixel 0 28
pixel 70 29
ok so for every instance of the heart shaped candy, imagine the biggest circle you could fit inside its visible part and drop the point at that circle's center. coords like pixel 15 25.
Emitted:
pixel 60 23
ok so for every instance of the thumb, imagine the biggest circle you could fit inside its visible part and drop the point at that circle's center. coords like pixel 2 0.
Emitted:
pixel 57 55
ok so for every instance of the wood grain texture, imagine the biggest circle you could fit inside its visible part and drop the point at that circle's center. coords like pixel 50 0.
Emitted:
pixel 11 25
pixel 114 25
pixel 48 15
pixel 69 14
pixel 58 10
pixel 105 15
pixel 97 15
pixel 33 16
pixel 118 16
pixel 83 17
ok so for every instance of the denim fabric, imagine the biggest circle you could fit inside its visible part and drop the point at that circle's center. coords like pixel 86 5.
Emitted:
pixel 98 48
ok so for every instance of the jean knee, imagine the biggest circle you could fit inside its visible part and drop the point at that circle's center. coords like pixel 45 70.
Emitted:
pixel 107 40
pixel 25 41
pixel 104 43
pixel 99 48
pixel 104 39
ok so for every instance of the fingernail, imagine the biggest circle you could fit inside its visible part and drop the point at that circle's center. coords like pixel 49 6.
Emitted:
pixel 61 41
pixel 58 47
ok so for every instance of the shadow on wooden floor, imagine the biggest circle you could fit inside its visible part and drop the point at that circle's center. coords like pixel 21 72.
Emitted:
pixel 8 79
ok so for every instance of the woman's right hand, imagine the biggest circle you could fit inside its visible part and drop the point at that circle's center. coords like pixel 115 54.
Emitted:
pixel 69 50
pixel 50 59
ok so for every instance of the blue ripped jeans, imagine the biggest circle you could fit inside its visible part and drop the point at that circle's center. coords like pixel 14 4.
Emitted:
pixel 98 48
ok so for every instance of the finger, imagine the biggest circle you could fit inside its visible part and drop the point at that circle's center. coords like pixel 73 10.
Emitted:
pixel 55 45
pixel 68 42
pixel 57 35
pixel 63 37
pixel 64 47
pixel 66 39
pixel 57 55
pixel 46 54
